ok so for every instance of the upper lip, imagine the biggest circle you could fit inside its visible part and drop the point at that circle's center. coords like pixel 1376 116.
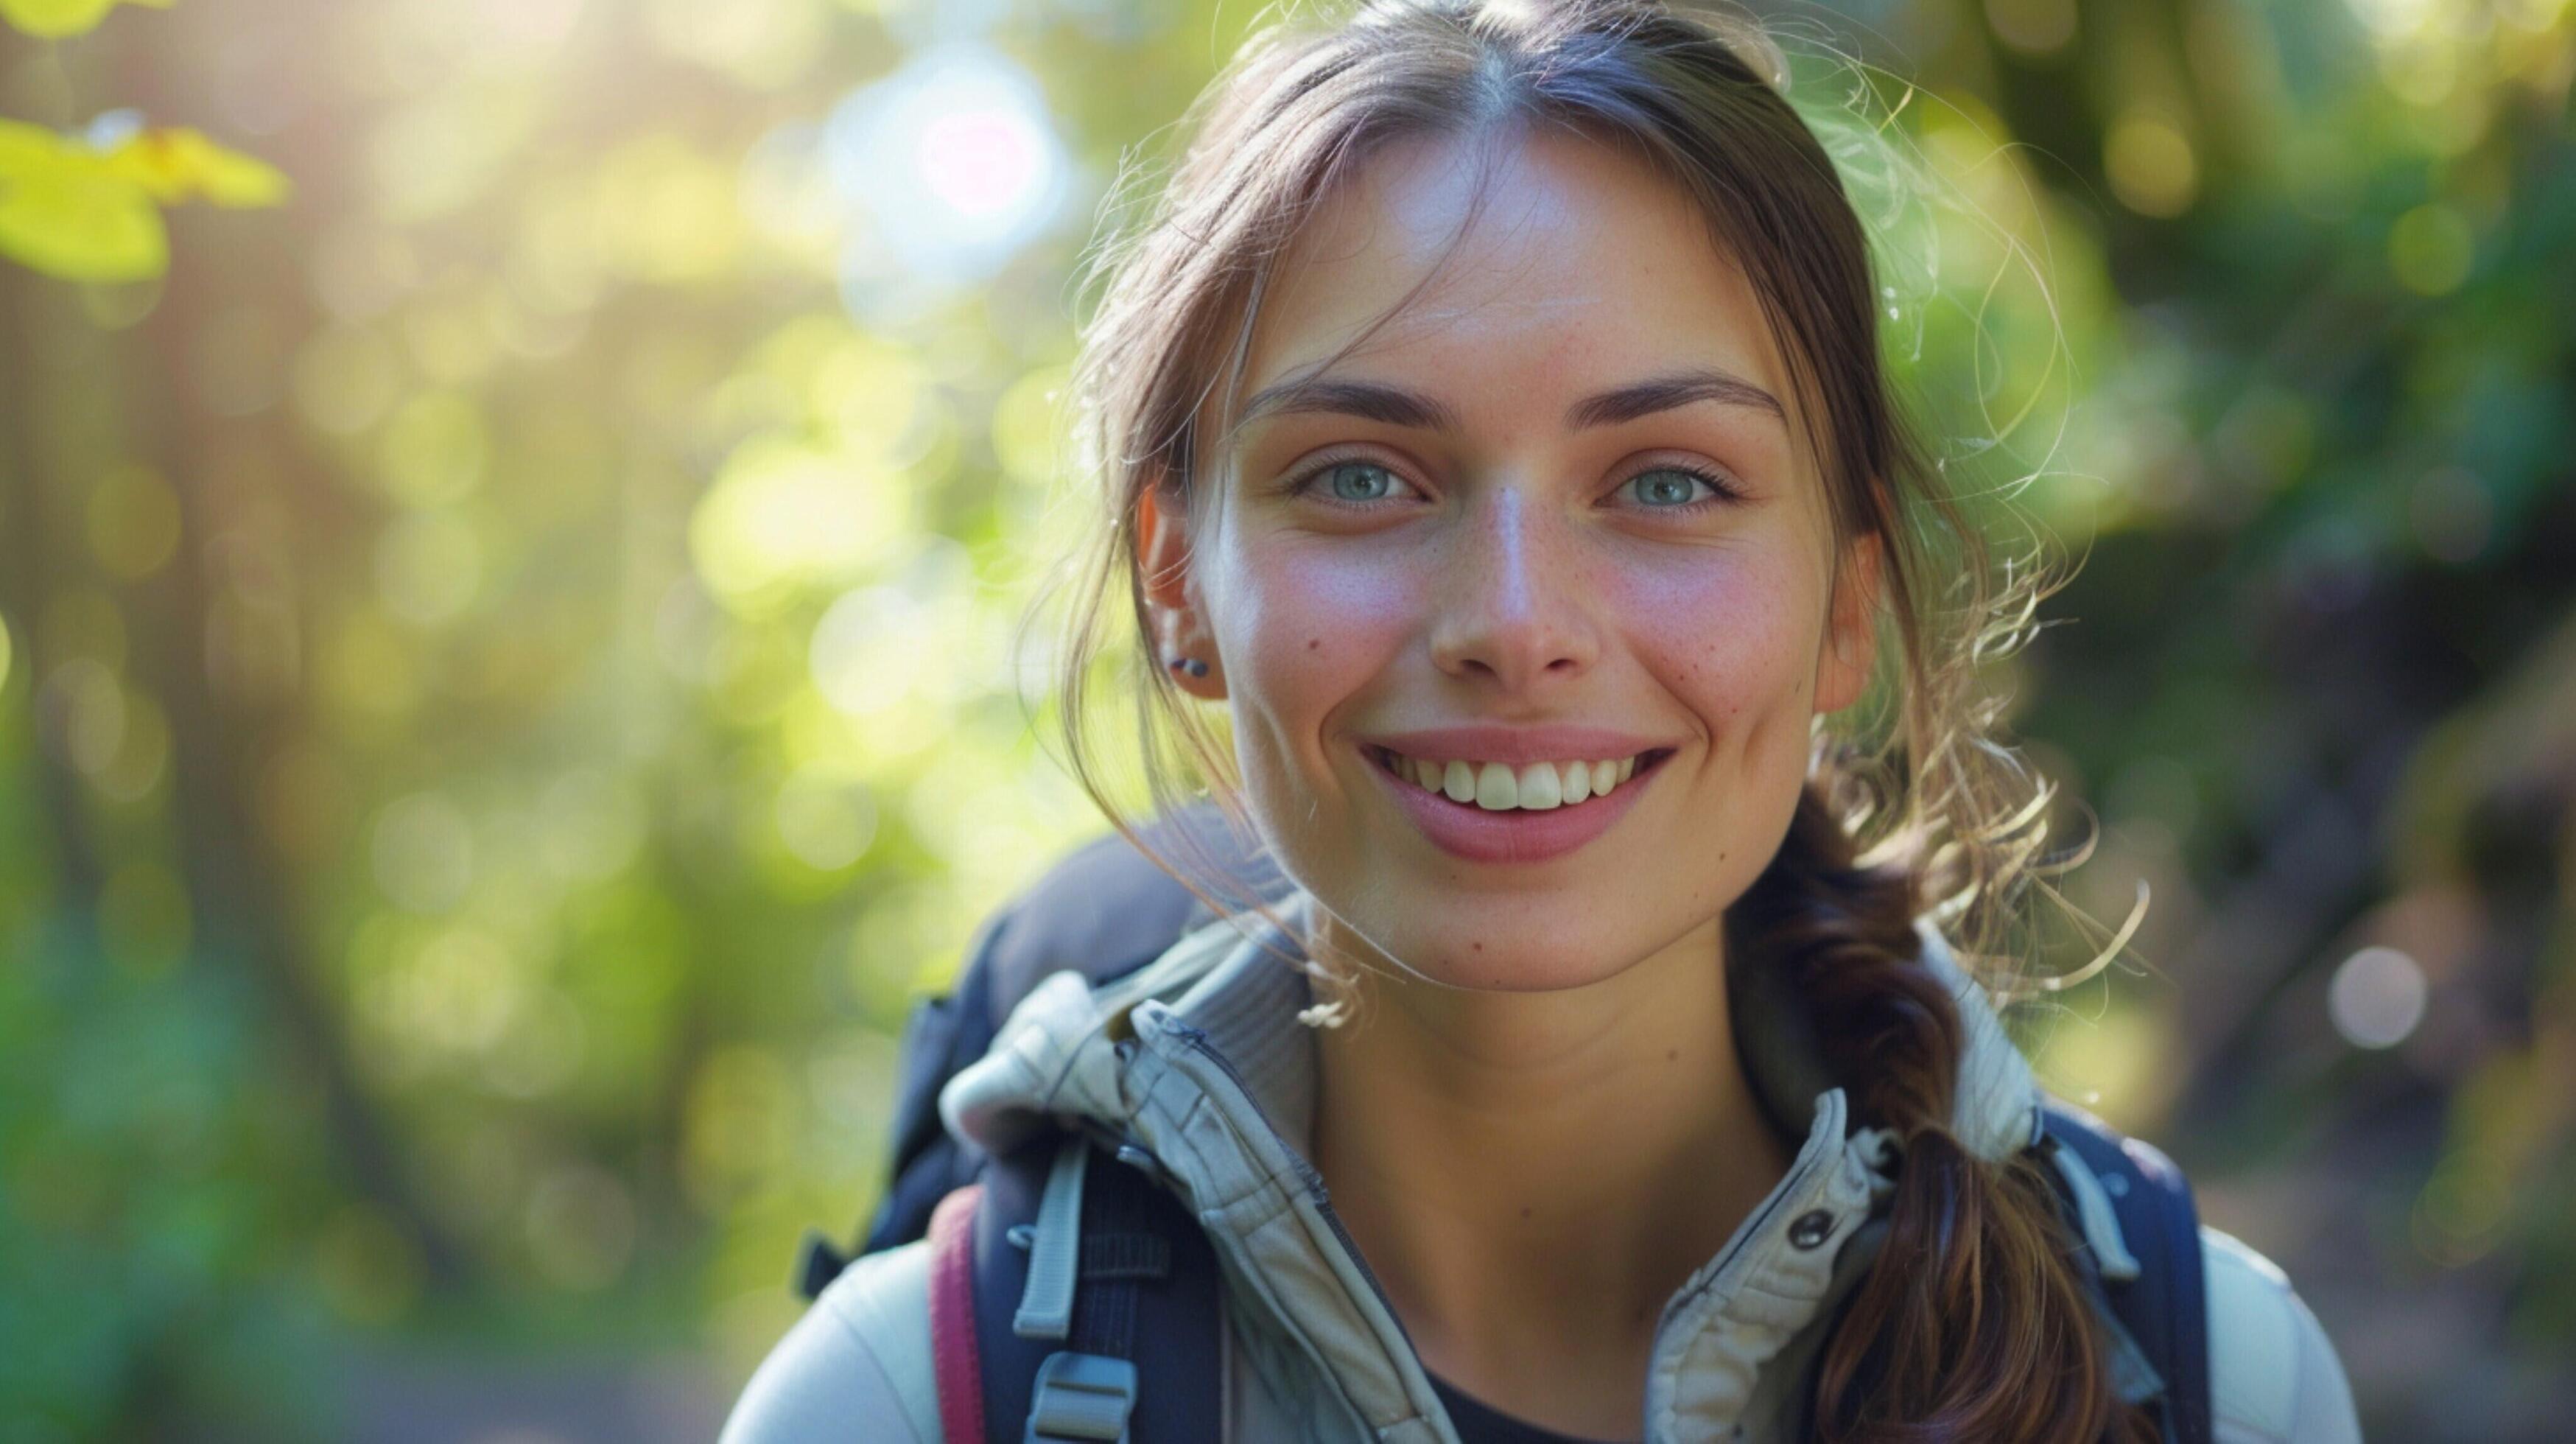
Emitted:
pixel 1491 742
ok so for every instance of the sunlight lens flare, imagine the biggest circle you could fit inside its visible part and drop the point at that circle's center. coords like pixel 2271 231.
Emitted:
pixel 948 166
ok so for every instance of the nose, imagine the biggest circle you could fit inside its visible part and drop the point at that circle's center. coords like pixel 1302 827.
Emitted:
pixel 1512 607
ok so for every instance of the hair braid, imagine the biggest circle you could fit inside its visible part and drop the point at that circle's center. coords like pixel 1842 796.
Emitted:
pixel 1973 1284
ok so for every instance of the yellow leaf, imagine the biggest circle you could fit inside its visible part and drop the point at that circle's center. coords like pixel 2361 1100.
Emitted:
pixel 22 145
pixel 55 18
pixel 176 163
pixel 63 211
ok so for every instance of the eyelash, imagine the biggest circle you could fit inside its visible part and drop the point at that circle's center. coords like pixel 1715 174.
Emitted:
pixel 1724 493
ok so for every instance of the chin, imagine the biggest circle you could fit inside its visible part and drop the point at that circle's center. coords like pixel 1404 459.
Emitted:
pixel 1513 970
pixel 1486 948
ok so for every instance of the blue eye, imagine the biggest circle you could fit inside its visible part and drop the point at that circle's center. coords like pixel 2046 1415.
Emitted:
pixel 1668 488
pixel 1358 481
pixel 1356 484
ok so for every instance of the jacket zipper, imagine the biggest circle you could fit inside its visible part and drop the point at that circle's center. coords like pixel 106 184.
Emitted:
pixel 1789 1184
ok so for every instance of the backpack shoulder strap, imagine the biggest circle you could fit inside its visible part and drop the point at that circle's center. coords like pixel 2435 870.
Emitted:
pixel 2148 1268
pixel 1080 1298
pixel 1104 910
pixel 955 1361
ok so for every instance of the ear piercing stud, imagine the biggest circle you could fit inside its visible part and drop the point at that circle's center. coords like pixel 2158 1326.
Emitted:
pixel 1191 665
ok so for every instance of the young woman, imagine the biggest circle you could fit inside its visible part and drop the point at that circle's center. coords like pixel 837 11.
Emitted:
pixel 1495 435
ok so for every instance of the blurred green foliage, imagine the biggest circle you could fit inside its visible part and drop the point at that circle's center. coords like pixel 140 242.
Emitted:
pixel 508 682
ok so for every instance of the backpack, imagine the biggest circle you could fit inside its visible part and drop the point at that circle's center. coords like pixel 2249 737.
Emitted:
pixel 1056 1274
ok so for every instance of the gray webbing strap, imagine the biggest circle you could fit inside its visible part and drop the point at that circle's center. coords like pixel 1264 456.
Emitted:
pixel 1055 1253
pixel 2101 1222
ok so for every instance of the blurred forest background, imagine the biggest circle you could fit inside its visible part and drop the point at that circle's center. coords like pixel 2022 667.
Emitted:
pixel 513 514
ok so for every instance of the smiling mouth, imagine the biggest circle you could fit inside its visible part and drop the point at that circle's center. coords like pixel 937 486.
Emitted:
pixel 1530 787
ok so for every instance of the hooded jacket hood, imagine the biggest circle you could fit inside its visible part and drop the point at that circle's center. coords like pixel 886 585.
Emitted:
pixel 1199 1060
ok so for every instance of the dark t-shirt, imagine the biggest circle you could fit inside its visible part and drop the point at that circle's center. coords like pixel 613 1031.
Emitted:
pixel 1481 1423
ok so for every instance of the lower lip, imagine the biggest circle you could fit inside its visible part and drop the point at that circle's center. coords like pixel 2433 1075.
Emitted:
pixel 1462 829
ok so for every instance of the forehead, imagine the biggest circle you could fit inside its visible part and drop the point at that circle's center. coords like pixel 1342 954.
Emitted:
pixel 1584 267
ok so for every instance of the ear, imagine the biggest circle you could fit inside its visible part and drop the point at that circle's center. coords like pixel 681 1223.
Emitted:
pixel 1171 600
pixel 1851 634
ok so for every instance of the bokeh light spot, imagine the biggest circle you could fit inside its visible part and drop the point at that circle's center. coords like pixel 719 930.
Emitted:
pixel 133 522
pixel 2033 27
pixel 581 1226
pixel 345 378
pixel 464 990
pixel 666 212
pixel 2460 1214
pixel 2431 249
pixel 741 1113
pixel 825 823
pixel 434 450
pixel 429 565
pixel 142 756
pixel 782 514
pixel 952 162
pixel 2377 997
pixel 591 824
pixel 423 852
pixel 85 705
pixel 368 668
pixel 2150 165
pixel 1028 434
pixel 765 44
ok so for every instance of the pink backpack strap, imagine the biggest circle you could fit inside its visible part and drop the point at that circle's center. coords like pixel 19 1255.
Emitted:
pixel 952 1316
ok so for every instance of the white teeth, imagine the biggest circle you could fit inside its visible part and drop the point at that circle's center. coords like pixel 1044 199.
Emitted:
pixel 1499 787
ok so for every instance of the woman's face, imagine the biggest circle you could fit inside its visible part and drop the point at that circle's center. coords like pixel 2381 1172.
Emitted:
pixel 1554 515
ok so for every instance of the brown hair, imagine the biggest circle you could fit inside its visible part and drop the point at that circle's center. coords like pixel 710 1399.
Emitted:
pixel 1972 1323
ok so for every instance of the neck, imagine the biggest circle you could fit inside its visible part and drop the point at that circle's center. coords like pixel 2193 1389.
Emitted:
pixel 1532 1175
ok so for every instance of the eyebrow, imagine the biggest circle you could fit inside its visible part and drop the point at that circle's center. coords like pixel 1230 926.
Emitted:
pixel 1399 406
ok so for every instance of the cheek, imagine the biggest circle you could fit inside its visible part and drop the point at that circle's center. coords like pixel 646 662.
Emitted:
pixel 1305 627
pixel 1731 633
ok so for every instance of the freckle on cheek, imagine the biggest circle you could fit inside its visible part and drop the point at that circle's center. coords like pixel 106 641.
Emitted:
pixel 1313 642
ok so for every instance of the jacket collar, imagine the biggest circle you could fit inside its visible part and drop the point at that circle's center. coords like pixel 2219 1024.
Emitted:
pixel 1198 1058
